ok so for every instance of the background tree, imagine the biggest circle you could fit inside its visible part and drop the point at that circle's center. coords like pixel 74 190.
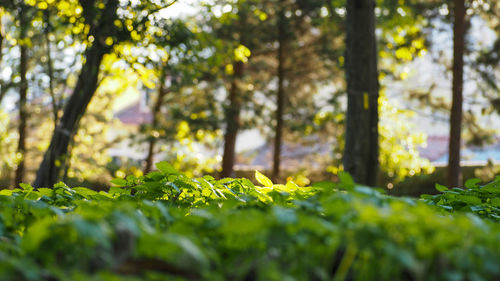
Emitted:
pixel 232 113
pixel 293 63
pixel 105 29
pixel 280 95
pixel 457 89
pixel 179 64
pixel 102 26
pixel 24 43
pixel 5 85
pixel 299 67
pixel 361 144
pixel 170 40
pixel 240 33
pixel 2 37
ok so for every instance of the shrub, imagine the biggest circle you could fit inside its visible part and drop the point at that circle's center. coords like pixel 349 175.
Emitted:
pixel 483 201
pixel 165 226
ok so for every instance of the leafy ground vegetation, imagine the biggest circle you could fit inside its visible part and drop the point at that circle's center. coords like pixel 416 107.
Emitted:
pixel 167 226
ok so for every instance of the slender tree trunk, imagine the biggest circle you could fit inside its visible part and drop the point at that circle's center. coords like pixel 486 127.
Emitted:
pixel 149 157
pixel 234 108
pixel 2 85
pixel 50 68
pixel 233 121
pixel 454 175
pixel 361 136
pixel 156 116
pixel 280 99
pixel 56 154
pixel 23 90
pixel 1 37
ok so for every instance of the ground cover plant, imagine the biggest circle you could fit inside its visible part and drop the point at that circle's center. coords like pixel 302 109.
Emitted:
pixel 483 201
pixel 166 226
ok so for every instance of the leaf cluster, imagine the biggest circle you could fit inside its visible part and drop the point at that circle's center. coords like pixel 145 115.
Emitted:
pixel 483 201
pixel 167 226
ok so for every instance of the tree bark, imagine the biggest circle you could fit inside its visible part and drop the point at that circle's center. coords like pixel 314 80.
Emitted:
pixel 361 135
pixel 56 154
pixel 2 85
pixel 156 116
pixel 50 68
pixel 23 90
pixel 454 173
pixel 1 37
pixel 280 98
pixel 233 121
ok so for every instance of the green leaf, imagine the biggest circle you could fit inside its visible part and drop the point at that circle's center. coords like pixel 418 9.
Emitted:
pixel 45 191
pixel 105 194
pixel 174 186
pixel 292 186
pixel 476 208
pixel 189 248
pixel 346 181
pixel 492 187
pixel 131 179
pixel 37 232
pixel 326 185
pixel 85 192
pixel 60 185
pixel 495 202
pixel 26 186
pixel 166 168
pixel 472 183
pixel 118 190
pixel 441 188
pixel 155 176
pixel 7 192
pixel 469 199
pixel 284 215
pixel 426 196
pixel 265 181
pixel 119 182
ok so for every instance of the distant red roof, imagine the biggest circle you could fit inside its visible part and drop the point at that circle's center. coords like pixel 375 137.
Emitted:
pixel 292 155
pixel 437 146
pixel 437 150
pixel 135 114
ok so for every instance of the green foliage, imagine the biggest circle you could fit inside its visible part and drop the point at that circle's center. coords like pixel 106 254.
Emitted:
pixel 167 226
pixel 8 156
pixel 483 201
pixel 399 143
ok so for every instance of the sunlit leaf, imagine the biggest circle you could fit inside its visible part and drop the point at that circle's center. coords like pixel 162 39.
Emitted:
pixel 441 188
pixel 265 181
pixel 119 182
pixel 166 168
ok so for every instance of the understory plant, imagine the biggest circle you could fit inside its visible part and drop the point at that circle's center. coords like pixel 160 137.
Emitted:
pixel 166 226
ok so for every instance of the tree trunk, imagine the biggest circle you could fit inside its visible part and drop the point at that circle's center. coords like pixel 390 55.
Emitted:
pixel 56 154
pixel 1 37
pixel 156 115
pixel 280 99
pixel 454 175
pixel 233 121
pixel 361 135
pixel 2 85
pixel 50 68
pixel 23 90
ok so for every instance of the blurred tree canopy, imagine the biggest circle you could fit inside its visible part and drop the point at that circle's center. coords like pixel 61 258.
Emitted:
pixel 277 67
